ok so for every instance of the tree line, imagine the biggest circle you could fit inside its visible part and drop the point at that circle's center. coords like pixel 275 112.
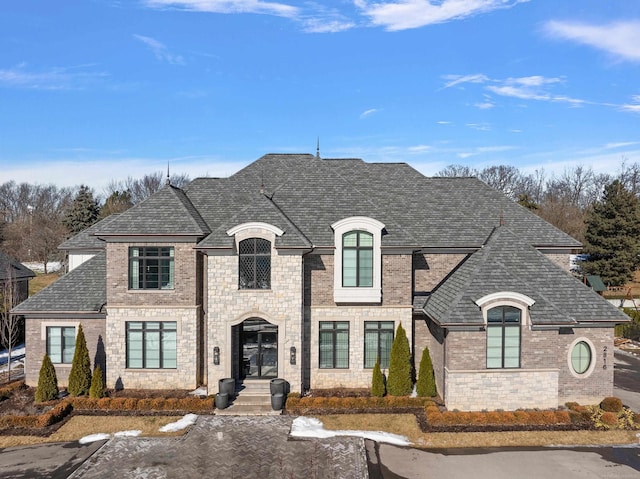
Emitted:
pixel 35 219
pixel 601 210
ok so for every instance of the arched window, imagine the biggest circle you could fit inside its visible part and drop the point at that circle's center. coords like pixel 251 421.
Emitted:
pixel 255 264
pixel 503 337
pixel 357 259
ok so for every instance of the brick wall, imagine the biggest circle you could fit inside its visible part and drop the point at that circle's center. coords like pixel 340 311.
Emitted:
pixel 561 259
pixel 396 279
pixel 428 334
pixel 430 269
pixel 36 346
pixel 184 293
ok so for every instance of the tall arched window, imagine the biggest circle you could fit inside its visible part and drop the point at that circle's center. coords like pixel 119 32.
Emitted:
pixel 255 264
pixel 503 337
pixel 357 259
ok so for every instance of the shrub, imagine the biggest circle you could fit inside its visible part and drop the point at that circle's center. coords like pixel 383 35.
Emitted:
pixel 399 382
pixel 609 419
pixel 426 385
pixel 377 381
pixel 80 374
pixel 611 404
pixel 97 383
pixel 47 381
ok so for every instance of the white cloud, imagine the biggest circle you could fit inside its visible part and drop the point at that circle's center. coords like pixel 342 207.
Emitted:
pixel 419 148
pixel 443 122
pixel 485 105
pixel 368 113
pixel 57 78
pixel 620 39
pixel 228 6
pixel 459 79
pixel 621 144
pixel 632 107
pixel 479 126
pixel 160 51
pixel 406 14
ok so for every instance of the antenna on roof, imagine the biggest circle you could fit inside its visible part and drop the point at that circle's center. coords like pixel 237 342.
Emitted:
pixel 501 217
pixel 318 148
pixel 168 180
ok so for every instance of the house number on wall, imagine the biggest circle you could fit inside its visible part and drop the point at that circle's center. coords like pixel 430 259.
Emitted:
pixel 604 358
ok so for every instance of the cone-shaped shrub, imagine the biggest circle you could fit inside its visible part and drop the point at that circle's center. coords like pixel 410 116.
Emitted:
pixel 426 386
pixel 47 381
pixel 97 383
pixel 80 374
pixel 377 382
pixel 399 381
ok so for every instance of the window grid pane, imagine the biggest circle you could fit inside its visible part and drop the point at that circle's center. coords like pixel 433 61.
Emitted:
pixel 581 357
pixel 151 267
pixel 378 340
pixel 334 345
pixel 503 337
pixel 357 259
pixel 152 345
pixel 254 264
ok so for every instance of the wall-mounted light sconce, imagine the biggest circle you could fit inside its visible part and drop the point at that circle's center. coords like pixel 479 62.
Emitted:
pixel 292 355
pixel 216 356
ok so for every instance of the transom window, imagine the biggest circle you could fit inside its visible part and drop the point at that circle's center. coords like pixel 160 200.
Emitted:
pixel 334 344
pixel 151 344
pixel 378 339
pixel 61 344
pixel 581 357
pixel 357 259
pixel 503 337
pixel 151 267
pixel 255 264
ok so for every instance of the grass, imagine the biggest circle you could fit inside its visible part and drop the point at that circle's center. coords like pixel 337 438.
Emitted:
pixel 406 425
pixel 80 426
pixel 41 281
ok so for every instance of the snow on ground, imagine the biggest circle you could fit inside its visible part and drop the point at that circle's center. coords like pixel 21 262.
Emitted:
pixel 183 423
pixel 312 427
pixel 201 391
pixel 17 352
pixel 102 436
pixel 39 267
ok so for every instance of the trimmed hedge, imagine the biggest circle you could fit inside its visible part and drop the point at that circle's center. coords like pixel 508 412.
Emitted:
pixel 497 418
pixel 296 404
pixel 50 417
pixel 135 404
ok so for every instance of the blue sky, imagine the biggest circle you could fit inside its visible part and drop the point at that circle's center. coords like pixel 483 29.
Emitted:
pixel 95 90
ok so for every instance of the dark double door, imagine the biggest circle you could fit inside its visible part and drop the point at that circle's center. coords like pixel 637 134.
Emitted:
pixel 259 340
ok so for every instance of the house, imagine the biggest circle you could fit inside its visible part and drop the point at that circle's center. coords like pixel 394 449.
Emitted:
pixel 302 268
pixel 15 272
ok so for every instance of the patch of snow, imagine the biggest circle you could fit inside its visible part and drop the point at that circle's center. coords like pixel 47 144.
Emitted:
pixel 183 423
pixel 94 437
pixel 414 393
pixel 312 427
pixel 132 433
pixel 17 352
pixel 52 266
pixel 201 391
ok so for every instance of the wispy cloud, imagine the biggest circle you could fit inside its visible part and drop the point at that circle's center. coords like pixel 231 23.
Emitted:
pixel 160 51
pixel 619 39
pixel 56 78
pixel 454 80
pixel 479 126
pixel 368 113
pixel 228 6
pixel 632 107
pixel 481 150
pixel 406 14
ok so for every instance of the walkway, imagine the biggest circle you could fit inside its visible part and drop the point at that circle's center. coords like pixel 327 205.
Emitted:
pixel 229 447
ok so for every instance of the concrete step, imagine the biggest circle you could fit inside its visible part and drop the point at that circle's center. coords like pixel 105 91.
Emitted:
pixel 248 410
pixel 253 399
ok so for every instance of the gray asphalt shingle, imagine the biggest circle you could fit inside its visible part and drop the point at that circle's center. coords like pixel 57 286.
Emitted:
pixel 10 268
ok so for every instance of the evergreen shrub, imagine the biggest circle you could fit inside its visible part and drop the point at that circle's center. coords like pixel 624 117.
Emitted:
pixel 399 382
pixel 47 381
pixel 80 374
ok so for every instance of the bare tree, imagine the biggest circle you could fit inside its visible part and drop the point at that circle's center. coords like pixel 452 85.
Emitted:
pixel 140 189
pixel 505 178
pixel 456 171
pixel 9 322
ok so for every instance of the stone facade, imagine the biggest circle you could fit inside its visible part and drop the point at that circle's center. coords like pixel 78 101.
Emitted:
pixel 229 306
pixel 36 340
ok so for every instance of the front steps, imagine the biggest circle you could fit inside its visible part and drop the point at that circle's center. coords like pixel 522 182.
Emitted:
pixel 253 398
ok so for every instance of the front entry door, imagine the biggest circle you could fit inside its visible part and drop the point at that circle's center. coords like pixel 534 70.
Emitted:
pixel 259 349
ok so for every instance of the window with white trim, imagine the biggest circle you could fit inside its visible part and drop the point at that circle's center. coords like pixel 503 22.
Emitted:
pixel 503 337
pixel 61 344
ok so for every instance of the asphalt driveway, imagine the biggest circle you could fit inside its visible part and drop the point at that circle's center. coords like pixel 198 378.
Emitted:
pixel 627 378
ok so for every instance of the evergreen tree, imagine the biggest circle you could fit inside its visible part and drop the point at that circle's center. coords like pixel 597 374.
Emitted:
pixel 399 382
pixel 47 381
pixel 426 385
pixel 84 211
pixel 377 381
pixel 97 383
pixel 117 202
pixel 80 374
pixel 613 236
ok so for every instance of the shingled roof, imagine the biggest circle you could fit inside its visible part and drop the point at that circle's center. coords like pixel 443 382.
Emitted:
pixel 10 268
pixel 507 263
pixel 81 290
pixel 86 239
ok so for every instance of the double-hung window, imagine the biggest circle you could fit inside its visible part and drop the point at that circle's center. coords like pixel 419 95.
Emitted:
pixel 151 267
pixel 255 264
pixel 334 344
pixel 503 337
pixel 357 259
pixel 378 339
pixel 151 344
pixel 61 344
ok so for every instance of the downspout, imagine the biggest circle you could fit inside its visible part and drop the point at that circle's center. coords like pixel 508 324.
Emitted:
pixel 303 353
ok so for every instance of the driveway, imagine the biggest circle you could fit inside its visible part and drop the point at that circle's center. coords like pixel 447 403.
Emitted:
pixel 627 378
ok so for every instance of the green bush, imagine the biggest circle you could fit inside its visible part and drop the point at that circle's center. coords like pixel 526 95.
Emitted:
pixel 426 385
pixel 377 382
pixel 97 383
pixel 80 375
pixel 399 382
pixel 47 381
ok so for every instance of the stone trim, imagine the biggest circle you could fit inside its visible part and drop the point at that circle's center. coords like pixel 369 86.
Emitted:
pixel 594 358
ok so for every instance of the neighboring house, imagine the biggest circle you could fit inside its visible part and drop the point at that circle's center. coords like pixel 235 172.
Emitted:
pixel 302 268
pixel 17 273
pixel 84 246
